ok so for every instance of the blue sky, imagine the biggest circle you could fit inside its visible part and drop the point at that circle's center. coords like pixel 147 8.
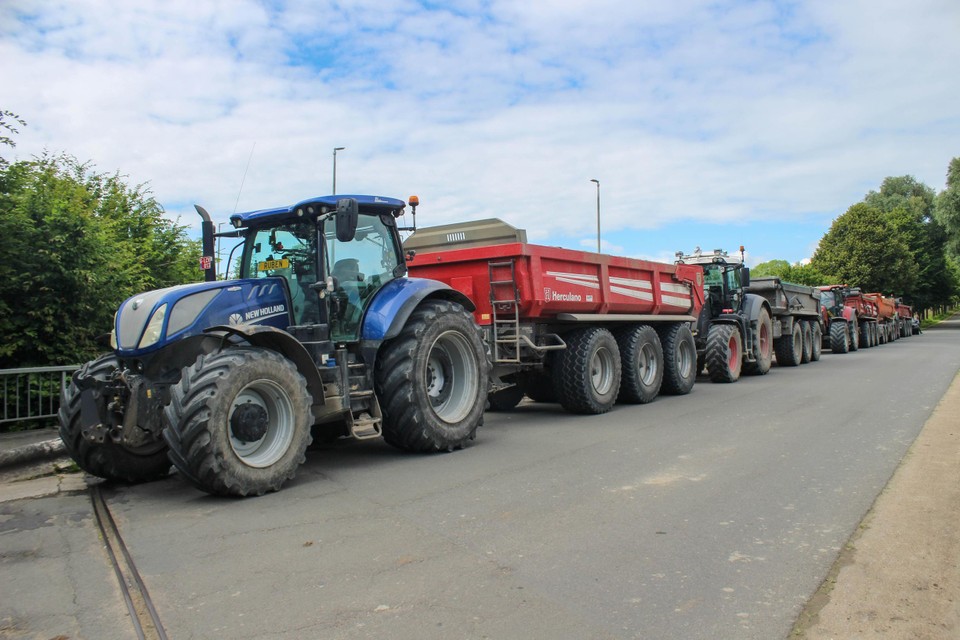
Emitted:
pixel 708 123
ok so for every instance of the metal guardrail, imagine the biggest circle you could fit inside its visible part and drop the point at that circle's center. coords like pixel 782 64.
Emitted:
pixel 32 393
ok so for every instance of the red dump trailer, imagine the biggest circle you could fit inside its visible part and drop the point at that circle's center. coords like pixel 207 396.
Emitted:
pixel 583 329
pixel 904 319
pixel 887 319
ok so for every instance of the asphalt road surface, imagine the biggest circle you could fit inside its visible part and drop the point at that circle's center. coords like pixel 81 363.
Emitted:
pixel 712 515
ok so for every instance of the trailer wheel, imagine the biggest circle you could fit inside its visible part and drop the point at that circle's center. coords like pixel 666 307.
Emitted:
pixel 762 346
pixel 854 327
pixel 679 359
pixel 505 399
pixel 641 358
pixel 790 348
pixel 107 459
pixel 238 423
pixel 724 353
pixel 587 373
pixel 807 333
pixel 432 380
pixel 817 349
pixel 864 336
pixel 839 338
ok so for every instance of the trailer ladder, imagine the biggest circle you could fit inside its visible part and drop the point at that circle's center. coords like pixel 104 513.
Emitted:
pixel 505 302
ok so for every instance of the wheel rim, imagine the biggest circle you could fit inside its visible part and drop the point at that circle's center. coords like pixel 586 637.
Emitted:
pixel 601 370
pixel 765 347
pixel 686 356
pixel 647 364
pixel 451 376
pixel 280 423
pixel 734 353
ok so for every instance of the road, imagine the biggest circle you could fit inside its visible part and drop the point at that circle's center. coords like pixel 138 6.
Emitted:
pixel 714 515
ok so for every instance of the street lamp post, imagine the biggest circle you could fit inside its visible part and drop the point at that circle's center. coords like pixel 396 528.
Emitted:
pixel 594 180
pixel 335 149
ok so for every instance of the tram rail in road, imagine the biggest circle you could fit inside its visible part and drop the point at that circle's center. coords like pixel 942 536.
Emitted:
pixel 143 615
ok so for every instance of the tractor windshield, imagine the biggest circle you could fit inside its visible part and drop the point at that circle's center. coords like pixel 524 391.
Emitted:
pixel 360 268
pixel 288 251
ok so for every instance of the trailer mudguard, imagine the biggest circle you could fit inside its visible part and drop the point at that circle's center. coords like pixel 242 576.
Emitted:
pixel 393 304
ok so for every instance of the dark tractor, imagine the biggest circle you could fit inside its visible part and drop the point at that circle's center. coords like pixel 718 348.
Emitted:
pixel 734 330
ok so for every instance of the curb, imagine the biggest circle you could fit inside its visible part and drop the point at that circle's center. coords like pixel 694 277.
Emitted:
pixel 43 450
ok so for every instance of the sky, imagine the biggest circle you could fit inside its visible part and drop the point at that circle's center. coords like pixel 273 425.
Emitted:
pixel 710 123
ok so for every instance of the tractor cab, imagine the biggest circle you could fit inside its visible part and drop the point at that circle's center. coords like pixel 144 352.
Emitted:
pixel 724 279
pixel 333 254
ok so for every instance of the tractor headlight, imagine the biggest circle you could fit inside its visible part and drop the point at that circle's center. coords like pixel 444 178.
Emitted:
pixel 151 334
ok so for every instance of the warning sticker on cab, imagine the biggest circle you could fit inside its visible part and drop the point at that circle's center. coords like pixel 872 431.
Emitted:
pixel 270 265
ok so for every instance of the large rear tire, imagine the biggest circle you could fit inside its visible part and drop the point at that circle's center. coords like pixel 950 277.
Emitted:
pixel 238 423
pixel 790 348
pixel 641 356
pixel 587 373
pixel 679 359
pixel 432 380
pixel 839 337
pixel 724 355
pixel 762 346
pixel 107 459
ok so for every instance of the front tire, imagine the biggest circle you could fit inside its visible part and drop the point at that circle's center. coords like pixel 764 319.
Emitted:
pixel 432 380
pixel 107 459
pixel 238 423
pixel 587 372
pixel 724 353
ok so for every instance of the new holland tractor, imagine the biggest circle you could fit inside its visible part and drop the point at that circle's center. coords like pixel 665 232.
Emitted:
pixel 322 335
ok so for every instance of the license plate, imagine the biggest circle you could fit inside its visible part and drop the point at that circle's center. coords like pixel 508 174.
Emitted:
pixel 270 265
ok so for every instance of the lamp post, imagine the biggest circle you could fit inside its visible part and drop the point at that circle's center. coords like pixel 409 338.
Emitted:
pixel 335 149
pixel 594 180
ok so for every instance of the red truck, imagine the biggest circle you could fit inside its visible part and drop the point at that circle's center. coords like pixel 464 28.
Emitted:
pixel 850 319
pixel 904 319
pixel 583 329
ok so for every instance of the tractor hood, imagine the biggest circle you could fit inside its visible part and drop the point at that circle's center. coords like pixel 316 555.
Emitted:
pixel 149 321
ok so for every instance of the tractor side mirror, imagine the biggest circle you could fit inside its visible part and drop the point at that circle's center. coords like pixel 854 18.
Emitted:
pixel 744 277
pixel 347 213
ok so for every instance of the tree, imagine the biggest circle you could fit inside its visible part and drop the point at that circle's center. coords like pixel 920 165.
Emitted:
pixel 947 209
pixel 7 127
pixel 796 273
pixel 863 248
pixel 78 243
pixel 909 206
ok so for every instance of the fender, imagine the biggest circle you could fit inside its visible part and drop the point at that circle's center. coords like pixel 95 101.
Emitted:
pixel 393 304
pixel 268 337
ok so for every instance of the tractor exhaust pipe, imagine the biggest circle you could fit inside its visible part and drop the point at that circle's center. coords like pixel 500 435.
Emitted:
pixel 207 263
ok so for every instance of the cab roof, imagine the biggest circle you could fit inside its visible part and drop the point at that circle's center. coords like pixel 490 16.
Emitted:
pixel 318 205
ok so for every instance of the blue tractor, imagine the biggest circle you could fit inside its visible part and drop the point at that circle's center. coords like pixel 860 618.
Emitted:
pixel 322 335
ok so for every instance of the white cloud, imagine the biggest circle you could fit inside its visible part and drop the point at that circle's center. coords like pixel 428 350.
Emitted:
pixel 694 110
